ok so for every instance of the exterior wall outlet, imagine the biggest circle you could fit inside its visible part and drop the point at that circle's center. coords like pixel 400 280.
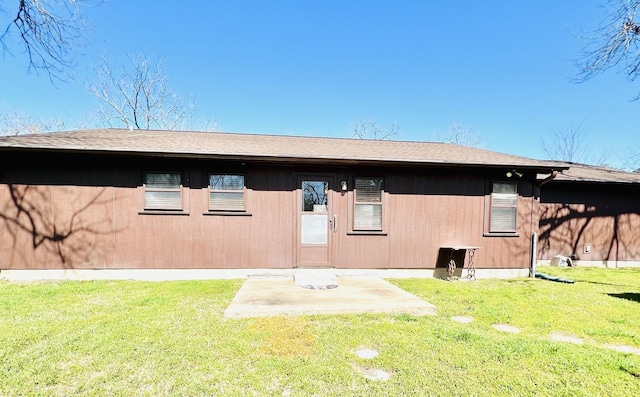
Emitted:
pixel 587 248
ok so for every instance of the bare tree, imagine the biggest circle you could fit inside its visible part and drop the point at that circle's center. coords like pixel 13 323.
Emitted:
pixel 631 160
pixel 12 123
pixel 571 145
pixel 615 45
pixel 139 97
pixel 369 129
pixel 458 134
pixel 462 135
pixel 614 42
pixel 49 30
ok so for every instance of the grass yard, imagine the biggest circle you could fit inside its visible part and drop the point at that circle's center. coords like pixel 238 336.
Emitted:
pixel 129 338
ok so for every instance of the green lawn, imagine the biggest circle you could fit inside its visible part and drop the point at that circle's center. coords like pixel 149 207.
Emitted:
pixel 128 338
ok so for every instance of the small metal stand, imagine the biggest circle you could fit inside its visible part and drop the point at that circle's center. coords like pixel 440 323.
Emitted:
pixel 468 258
pixel 471 266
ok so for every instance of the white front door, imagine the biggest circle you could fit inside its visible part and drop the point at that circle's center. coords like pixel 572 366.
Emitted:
pixel 315 221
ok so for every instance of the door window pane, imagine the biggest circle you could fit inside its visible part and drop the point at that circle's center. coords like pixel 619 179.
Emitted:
pixel 314 228
pixel 314 196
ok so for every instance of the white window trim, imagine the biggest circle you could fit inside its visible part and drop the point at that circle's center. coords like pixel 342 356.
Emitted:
pixel 489 231
pixel 242 191
pixel 157 208
pixel 382 203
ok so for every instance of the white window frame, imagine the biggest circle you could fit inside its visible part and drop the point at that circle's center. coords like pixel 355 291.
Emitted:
pixel 501 201
pixel 232 205
pixel 374 205
pixel 173 195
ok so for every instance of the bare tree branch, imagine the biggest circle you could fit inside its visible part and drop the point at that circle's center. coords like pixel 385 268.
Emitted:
pixel 50 32
pixel 12 123
pixel 140 97
pixel 571 145
pixel 369 129
pixel 632 160
pixel 462 135
pixel 614 43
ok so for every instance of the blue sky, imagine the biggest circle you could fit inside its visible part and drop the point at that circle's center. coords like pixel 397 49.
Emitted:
pixel 502 68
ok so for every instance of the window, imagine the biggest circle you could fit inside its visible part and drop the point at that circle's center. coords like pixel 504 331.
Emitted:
pixel 504 199
pixel 314 218
pixel 368 204
pixel 226 192
pixel 162 191
pixel 314 196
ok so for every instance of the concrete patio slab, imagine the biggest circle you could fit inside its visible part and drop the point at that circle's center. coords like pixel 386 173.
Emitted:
pixel 281 296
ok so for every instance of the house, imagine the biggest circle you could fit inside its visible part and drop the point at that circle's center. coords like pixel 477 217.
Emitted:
pixel 122 203
pixel 592 215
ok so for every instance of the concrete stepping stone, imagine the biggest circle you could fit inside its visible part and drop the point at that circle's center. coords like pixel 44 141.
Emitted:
pixel 506 328
pixel 367 353
pixel 557 336
pixel 376 374
pixel 623 349
pixel 462 319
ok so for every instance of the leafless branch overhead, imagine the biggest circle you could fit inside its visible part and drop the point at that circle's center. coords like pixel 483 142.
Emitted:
pixel 614 43
pixel 50 32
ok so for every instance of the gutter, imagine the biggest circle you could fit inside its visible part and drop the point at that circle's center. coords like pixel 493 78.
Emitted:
pixel 534 234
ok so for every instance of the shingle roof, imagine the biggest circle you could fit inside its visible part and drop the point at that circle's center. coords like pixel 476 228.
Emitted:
pixel 267 147
pixel 597 174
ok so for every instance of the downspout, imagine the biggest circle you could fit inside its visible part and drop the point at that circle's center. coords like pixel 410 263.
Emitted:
pixel 548 179
pixel 534 235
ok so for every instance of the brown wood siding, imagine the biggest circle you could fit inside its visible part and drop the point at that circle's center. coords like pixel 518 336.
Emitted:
pixel 88 213
pixel 75 216
pixel 606 216
pixel 515 251
pixel 426 212
pixel 56 226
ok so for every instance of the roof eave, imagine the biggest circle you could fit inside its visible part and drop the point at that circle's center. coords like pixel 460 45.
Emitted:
pixel 598 181
pixel 288 159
